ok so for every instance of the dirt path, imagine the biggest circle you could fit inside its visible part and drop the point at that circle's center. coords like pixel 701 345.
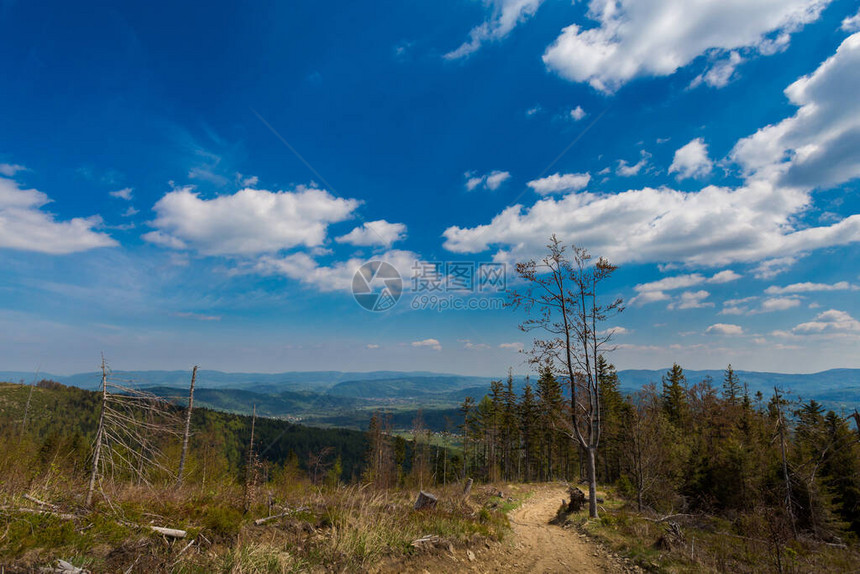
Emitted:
pixel 539 547
pixel 535 546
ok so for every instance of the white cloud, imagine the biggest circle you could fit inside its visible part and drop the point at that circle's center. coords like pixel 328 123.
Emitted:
pixel 490 181
pixel 779 304
pixel 692 160
pixel 851 23
pixel 692 300
pixel 654 291
pixel 711 227
pixel 558 182
pixel 724 329
pixel 720 73
pixel 125 193
pixel 248 222
pixel 627 170
pixel 637 38
pixel 469 345
pixel 514 346
pixel 577 113
pixel 819 146
pixel 10 169
pixel 770 268
pixel 378 232
pixel 532 111
pixel 808 287
pixel 371 346
pixel 334 277
pixel 430 343
pixel 726 276
pixel 829 322
pixel 505 16
pixel 25 226
pixel 130 211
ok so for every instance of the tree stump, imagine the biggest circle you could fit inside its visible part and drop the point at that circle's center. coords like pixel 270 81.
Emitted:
pixel 425 500
pixel 577 499
pixel 467 490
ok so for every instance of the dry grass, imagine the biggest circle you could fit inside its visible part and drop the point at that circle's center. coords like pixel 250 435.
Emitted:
pixel 338 528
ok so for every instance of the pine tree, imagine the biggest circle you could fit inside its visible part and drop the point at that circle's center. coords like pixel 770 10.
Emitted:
pixel 609 451
pixel 675 395
pixel 529 417
pixel 731 386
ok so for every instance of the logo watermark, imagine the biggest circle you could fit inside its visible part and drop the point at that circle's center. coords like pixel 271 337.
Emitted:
pixel 377 286
pixel 435 285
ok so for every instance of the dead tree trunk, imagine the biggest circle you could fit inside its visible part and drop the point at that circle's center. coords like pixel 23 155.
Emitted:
pixel 97 449
pixel 856 417
pixel 187 428
pixel 787 477
pixel 251 466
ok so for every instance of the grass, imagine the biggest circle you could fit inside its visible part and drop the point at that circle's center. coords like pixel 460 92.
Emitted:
pixel 344 528
pixel 747 544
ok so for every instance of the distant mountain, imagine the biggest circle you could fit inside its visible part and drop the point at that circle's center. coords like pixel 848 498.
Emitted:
pixel 335 398
pixel 258 382
pixel 836 388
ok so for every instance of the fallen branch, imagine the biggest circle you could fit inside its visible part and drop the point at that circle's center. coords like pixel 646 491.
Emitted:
pixel 665 518
pixel 59 515
pixel 261 521
pixel 41 502
pixel 169 532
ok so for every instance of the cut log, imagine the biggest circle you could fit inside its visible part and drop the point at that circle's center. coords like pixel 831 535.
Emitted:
pixel 425 500
pixel 169 532
pixel 467 490
pixel 577 499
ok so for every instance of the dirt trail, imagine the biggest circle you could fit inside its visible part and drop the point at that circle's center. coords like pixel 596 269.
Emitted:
pixel 539 547
pixel 535 546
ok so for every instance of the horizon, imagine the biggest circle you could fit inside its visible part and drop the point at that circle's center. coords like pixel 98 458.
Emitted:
pixel 182 186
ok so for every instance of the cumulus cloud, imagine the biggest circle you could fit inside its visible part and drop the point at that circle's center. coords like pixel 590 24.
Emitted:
pixel 10 169
pixel 124 193
pixel 25 226
pixel 627 170
pixel 514 346
pixel 712 227
pixel 577 113
pixel 469 345
pixel 505 16
pixel 336 276
pixel 692 300
pixel 490 181
pixel 655 290
pixel 808 287
pixel 724 329
pixel 248 222
pixel 819 146
pixel 720 73
pixel 637 38
pixel 779 304
pixel 831 321
pixel 379 232
pixel 692 160
pixel 852 23
pixel 429 343
pixel 558 183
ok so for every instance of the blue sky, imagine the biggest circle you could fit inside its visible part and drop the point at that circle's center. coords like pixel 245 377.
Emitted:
pixel 181 185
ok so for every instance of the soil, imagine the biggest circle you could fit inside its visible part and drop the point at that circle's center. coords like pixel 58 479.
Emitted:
pixel 535 546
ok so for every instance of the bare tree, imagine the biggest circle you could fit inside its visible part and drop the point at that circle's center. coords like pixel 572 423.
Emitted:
pixel 187 428
pixel 562 296
pixel 127 440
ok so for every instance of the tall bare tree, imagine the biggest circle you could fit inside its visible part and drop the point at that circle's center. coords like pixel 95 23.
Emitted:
pixel 187 433
pixel 562 297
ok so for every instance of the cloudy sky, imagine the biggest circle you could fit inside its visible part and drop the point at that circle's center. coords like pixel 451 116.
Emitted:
pixel 183 185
